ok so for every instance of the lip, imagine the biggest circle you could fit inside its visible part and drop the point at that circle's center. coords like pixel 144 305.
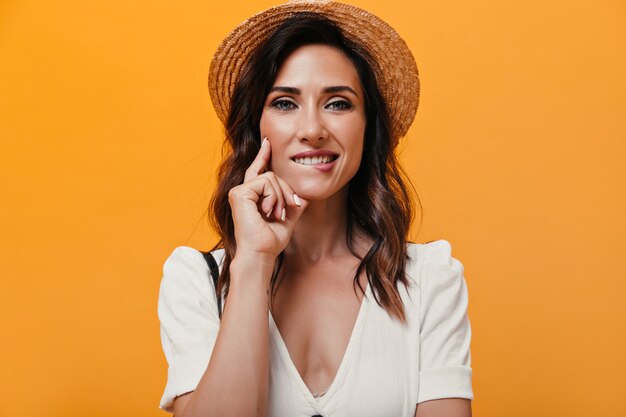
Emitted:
pixel 320 167
pixel 311 154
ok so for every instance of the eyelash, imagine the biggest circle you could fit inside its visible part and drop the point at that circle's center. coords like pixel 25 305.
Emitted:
pixel 278 104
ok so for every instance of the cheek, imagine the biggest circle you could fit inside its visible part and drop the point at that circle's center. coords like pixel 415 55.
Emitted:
pixel 357 153
pixel 275 127
pixel 353 137
pixel 351 127
pixel 355 160
pixel 277 133
pixel 264 124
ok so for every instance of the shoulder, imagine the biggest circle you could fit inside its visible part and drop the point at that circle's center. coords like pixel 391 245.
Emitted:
pixel 185 270
pixel 437 253
pixel 434 272
pixel 182 257
pixel 439 277
pixel 185 257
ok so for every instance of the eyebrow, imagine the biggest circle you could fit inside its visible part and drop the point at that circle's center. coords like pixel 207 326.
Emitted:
pixel 326 90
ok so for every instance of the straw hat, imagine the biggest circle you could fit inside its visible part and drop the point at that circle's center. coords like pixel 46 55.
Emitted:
pixel 396 70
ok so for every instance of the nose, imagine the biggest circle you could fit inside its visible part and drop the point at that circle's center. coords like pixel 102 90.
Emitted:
pixel 311 126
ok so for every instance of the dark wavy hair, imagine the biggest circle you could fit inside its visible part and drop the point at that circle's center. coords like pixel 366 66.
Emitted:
pixel 379 204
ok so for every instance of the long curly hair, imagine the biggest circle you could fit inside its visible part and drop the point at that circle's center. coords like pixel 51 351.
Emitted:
pixel 379 203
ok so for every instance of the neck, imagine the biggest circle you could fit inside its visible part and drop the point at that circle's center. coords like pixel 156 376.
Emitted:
pixel 321 230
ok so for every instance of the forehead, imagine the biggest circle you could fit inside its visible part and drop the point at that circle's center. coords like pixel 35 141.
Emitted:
pixel 317 65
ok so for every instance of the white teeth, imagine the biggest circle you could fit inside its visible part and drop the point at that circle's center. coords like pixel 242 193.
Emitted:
pixel 315 160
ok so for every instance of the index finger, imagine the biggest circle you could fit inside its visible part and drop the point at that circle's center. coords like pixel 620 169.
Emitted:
pixel 260 162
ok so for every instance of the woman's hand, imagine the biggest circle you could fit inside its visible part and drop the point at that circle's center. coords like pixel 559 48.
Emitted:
pixel 265 208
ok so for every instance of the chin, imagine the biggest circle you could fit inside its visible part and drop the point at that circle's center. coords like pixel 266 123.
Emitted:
pixel 313 196
pixel 311 192
pixel 314 191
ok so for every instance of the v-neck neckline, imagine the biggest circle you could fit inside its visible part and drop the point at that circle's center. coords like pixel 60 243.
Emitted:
pixel 343 365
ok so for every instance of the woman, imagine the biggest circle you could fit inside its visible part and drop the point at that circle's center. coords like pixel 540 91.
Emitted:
pixel 327 309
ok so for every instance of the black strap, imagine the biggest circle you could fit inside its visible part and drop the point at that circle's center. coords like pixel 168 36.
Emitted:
pixel 215 274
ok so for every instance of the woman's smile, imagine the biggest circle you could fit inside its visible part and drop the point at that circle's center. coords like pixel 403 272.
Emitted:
pixel 321 160
pixel 317 163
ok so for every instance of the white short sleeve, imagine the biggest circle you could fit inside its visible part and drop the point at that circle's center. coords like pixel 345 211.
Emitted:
pixel 187 311
pixel 445 332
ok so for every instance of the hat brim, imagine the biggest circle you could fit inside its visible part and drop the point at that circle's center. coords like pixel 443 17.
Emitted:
pixel 395 69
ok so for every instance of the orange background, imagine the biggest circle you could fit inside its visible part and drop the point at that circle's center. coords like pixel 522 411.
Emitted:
pixel 109 146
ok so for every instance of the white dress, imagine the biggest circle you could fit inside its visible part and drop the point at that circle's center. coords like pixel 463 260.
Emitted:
pixel 388 367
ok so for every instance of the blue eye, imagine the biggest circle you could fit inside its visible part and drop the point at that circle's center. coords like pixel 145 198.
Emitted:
pixel 283 105
pixel 340 105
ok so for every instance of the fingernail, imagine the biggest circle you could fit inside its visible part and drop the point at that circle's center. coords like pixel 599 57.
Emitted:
pixel 268 214
pixel 297 199
pixel 264 140
pixel 283 215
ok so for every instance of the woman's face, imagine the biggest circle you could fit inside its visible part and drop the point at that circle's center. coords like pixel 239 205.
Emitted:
pixel 315 106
